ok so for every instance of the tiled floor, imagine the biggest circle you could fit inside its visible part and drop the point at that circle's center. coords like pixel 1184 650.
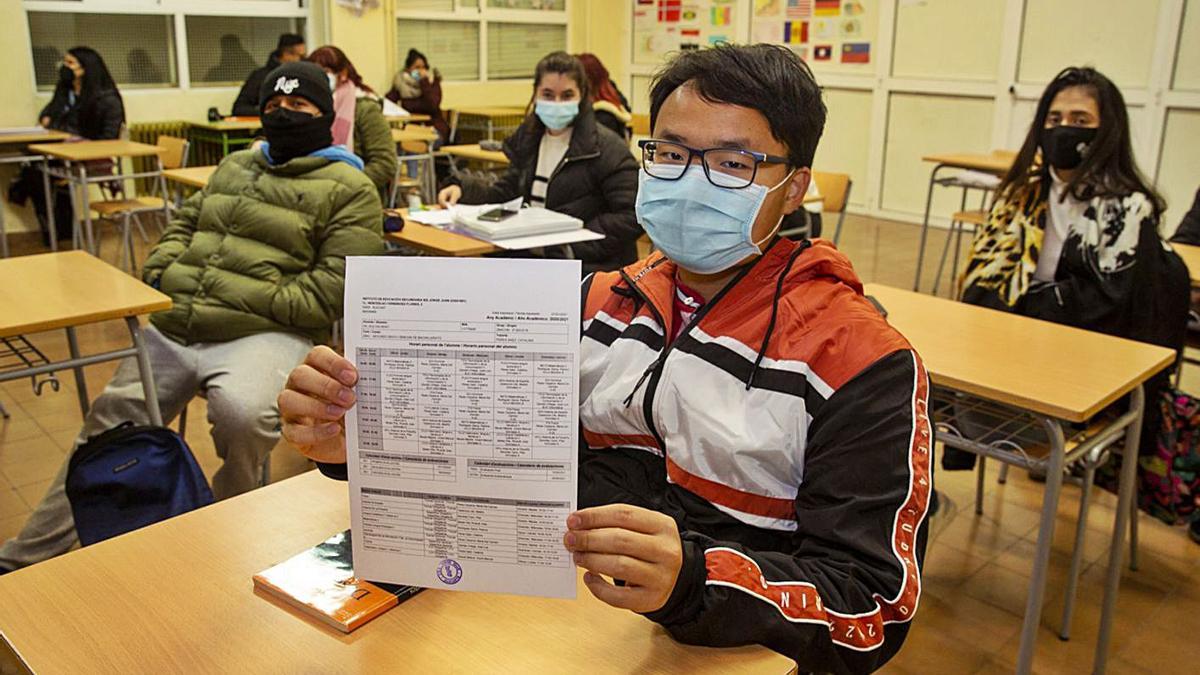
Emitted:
pixel 977 567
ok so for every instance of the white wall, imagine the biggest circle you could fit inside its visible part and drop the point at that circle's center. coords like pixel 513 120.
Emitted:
pixel 965 75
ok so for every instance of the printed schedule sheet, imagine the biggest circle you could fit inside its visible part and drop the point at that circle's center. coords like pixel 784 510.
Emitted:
pixel 462 447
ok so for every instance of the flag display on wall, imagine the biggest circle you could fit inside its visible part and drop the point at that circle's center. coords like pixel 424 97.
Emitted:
pixel 856 52
pixel 799 9
pixel 827 7
pixel 670 11
pixel 722 15
pixel 822 52
pixel 795 32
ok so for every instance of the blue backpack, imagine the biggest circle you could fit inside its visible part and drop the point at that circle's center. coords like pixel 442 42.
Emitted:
pixel 132 476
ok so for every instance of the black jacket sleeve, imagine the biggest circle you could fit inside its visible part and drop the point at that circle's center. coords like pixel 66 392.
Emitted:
pixel 1189 229
pixel 618 185
pixel 841 599
pixel 334 471
pixel 246 103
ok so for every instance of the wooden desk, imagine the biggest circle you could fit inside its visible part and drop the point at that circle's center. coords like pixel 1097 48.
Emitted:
pixel 76 157
pixel 192 176
pixel 414 133
pixel 439 242
pixel 25 138
pixel 12 152
pixel 473 151
pixel 230 124
pixel 1053 372
pixel 997 162
pixel 1191 258
pixel 64 290
pixel 491 116
pixel 414 118
pixel 87 151
pixel 177 597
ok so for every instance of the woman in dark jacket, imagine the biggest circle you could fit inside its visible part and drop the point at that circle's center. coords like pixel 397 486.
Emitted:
pixel 1073 234
pixel 86 102
pixel 418 90
pixel 560 158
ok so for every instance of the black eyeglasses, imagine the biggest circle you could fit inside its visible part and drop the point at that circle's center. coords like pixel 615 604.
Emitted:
pixel 724 167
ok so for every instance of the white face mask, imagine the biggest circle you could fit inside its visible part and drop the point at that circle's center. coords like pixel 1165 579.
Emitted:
pixel 333 81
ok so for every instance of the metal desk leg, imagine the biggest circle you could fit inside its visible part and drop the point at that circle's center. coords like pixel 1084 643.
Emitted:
pixel 86 214
pixel 1041 557
pixel 980 472
pixel 925 225
pixel 1128 487
pixel 1089 475
pixel 143 358
pixel 49 206
pixel 1133 538
pixel 80 382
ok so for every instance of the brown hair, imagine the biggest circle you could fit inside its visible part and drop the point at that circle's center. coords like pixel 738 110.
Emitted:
pixel 335 59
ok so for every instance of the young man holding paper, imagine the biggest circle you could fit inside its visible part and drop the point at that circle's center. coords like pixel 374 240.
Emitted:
pixel 755 460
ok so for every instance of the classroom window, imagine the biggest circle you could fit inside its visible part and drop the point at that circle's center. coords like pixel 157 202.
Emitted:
pixel 139 49
pixel 551 5
pixel 515 48
pixel 223 50
pixel 451 46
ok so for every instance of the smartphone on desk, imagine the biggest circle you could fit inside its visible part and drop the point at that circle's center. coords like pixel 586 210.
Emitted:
pixel 497 215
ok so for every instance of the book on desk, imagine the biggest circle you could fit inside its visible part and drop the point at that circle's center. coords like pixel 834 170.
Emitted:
pixel 321 583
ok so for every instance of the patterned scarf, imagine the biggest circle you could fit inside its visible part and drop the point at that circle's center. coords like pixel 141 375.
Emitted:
pixel 1004 253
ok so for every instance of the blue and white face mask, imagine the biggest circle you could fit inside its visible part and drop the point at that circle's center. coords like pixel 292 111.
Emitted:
pixel 556 115
pixel 699 226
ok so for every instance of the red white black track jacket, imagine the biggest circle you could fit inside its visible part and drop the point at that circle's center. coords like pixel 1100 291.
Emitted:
pixel 786 431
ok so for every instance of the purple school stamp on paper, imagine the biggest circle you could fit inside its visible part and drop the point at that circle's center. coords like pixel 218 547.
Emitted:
pixel 449 571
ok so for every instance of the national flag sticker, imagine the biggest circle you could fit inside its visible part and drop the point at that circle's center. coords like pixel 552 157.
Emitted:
pixel 856 52
pixel 822 52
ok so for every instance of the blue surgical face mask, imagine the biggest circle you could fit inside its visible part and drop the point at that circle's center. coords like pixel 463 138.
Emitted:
pixel 699 226
pixel 416 74
pixel 556 115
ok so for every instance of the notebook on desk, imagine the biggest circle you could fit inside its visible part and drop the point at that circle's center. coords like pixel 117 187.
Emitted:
pixel 321 583
pixel 523 222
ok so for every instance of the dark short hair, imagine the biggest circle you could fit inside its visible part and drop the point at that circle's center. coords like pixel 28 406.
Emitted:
pixel 412 57
pixel 289 40
pixel 768 78
pixel 1109 169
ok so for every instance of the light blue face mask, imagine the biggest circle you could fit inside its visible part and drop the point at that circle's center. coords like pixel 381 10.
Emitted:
pixel 556 115
pixel 699 226
pixel 415 74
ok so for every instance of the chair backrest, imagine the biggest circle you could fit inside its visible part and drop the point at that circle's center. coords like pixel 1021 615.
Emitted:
pixel 640 124
pixel 176 155
pixel 834 188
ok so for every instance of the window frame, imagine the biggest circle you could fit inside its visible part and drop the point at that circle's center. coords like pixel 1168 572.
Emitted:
pixel 178 10
pixel 484 15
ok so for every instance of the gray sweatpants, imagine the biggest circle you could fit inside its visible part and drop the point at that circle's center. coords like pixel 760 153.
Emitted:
pixel 241 380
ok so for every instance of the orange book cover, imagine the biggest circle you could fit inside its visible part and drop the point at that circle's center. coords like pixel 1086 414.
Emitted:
pixel 321 582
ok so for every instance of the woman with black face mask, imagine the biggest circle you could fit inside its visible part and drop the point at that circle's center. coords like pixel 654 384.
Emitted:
pixel 86 102
pixel 1073 234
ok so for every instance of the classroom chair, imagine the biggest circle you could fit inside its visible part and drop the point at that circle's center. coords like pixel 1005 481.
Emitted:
pixel 130 210
pixel 958 222
pixel 416 157
pixel 835 194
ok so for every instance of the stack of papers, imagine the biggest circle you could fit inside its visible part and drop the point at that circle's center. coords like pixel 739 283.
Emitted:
pixel 527 221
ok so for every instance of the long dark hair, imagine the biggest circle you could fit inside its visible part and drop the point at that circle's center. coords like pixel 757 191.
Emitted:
pixel 1108 170
pixel 336 60
pixel 96 78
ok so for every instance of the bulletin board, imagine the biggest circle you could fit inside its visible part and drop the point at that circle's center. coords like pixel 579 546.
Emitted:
pixel 661 27
pixel 831 35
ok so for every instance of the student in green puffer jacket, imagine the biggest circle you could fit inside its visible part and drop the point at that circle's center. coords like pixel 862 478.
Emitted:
pixel 254 265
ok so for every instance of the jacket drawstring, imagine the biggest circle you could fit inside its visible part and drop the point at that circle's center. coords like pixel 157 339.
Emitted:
pixel 762 350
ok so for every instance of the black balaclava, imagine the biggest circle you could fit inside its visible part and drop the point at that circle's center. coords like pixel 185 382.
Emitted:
pixel 292 134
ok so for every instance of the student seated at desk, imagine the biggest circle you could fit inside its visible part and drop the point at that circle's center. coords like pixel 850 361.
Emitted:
pixel 562 160
pixel 289 49
pixel 86 103
pixel 755 442
pixel 1073 234
pixel 418 89
pixel 254 265
pixel 608 103
pixel 358 122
